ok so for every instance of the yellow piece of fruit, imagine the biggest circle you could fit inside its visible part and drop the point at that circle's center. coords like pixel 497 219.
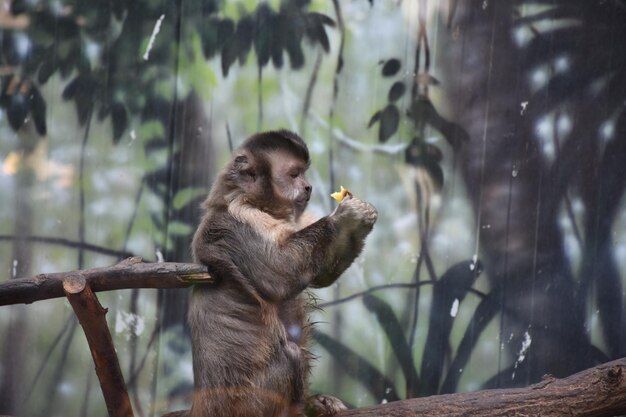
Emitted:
pixel 340 195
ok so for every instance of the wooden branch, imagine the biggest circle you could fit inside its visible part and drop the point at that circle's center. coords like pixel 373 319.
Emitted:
pixel 91 316
pixel 595 392
pixel 130 273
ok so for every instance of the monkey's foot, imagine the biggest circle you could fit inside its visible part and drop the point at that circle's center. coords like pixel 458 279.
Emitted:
pixel 323 406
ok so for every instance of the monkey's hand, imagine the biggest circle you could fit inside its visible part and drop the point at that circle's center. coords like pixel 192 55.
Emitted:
pixel 355 214
pixel 323 406
pixel 352 221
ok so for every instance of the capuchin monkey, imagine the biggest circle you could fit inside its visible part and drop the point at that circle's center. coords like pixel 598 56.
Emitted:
pixel 250 329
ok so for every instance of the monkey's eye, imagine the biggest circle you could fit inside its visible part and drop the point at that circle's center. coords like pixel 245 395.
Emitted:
pixel 249 173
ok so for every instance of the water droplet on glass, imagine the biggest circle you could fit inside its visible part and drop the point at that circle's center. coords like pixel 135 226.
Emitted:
pixel 523 104
pixel 455 308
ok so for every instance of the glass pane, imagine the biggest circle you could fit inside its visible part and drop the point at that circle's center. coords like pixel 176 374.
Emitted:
pixel 489 135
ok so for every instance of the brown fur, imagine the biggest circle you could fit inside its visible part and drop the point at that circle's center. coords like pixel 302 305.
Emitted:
pixel 250 330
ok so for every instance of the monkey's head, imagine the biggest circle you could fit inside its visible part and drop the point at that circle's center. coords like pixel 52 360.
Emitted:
pixel 268 172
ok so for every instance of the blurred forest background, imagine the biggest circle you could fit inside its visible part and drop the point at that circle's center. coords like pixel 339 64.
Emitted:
pixel 490 135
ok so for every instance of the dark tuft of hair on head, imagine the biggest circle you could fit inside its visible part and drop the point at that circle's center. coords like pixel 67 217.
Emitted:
pixel 275 140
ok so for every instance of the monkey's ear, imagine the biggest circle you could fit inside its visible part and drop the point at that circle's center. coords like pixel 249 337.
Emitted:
pixel 244 168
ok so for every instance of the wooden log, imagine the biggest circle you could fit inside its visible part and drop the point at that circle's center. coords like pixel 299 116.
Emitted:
pixel 130 273
pixel 91 317
pixel 595 392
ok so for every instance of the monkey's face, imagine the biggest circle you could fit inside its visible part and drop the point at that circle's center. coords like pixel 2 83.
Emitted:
pixel 289 181
pixel 273 182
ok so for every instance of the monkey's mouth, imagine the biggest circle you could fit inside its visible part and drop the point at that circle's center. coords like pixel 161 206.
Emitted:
pixel 301 203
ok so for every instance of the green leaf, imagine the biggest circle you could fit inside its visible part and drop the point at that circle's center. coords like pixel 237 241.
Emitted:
pixel 434 171
pixel 186 196
pixel 17 110
pixel 389 122
pixel 38 110
pixel 315 30
pixel 396 91
pixel 358 367
pixel 424 110
pixel 197 74
pixel 151 129
pixel 264 38
pixel 374 119
pixel 391 67
pixel 484 313
pixel 238 46
pixel 215 33
pixel 449 290
pixel 179 228
pixel 48 66
pixel 119 119
pixel 397 339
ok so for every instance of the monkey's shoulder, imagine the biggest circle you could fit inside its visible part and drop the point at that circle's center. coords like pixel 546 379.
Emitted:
pixel 219 225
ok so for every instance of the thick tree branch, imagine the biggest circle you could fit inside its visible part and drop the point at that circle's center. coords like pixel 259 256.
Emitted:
pixel 92 318
pixel 130 273
pixel 595 392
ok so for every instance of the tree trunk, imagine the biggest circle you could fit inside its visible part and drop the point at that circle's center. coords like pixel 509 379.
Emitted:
pixel 508 184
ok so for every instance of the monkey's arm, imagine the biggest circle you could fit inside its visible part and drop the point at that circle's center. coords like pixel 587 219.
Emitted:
pixel 233 250
pixel 281 271
pixel 349 241
pixel 316 255
pixel 341 260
